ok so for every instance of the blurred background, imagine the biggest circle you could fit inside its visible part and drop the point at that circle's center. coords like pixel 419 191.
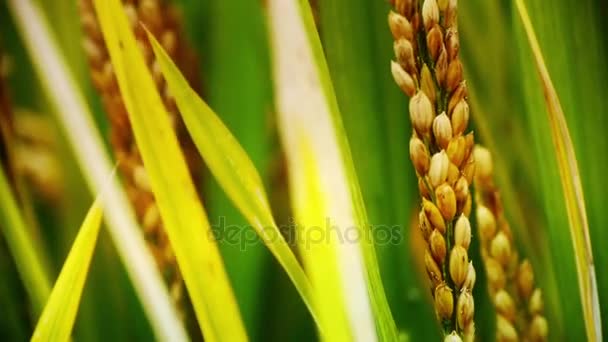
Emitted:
pixel 231 42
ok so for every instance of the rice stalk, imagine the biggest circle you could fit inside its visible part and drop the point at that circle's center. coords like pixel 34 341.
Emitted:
pixel 429 71
pixel 518 303
pixel 164 22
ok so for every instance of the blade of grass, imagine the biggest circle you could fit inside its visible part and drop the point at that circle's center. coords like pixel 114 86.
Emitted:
pixel 320 255
pixel 308 110
pixel 494 111
pixel 232 168
pixel 583 44
pixel 385 324
pixel 26 256
pixel 231 38
pixel 183 216
pixel 57 319
pixel 571 187
pixel 310 187
pixel 78 126
pixel 376 122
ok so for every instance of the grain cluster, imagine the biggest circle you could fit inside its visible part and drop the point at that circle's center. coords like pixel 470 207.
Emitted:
pixel 428 70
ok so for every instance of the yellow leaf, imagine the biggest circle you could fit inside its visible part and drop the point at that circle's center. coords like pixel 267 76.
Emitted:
pixel 308 111
pixel 76 120
pixel 182 213
pixel 232 168
pixel 57 319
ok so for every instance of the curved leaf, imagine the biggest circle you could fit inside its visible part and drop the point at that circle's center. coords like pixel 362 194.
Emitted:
pixel 308 111
pixel 183 216
pixel 571 186
pixel 232 168
pixel 57 319
pixel 378 131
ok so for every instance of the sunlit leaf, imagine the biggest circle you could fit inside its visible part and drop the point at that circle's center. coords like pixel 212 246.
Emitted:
pixel 231 39
pixel 232 168
pixel 183 216
pixel 377 126
pixel 57 319
pixel 571 186
pixel 308 111
pixel 76 120
pixel 319 252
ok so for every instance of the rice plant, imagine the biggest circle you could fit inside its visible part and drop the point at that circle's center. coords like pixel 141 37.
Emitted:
pixel 403 170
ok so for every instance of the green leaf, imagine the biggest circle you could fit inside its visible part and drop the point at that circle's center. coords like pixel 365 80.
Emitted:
pixel 57 319
pixel 183 216
pixel 22 247
pixel 308 112
pixel 571 186
pixel 232 168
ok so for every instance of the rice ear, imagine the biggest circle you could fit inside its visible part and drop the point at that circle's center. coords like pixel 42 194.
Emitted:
pixel 431 75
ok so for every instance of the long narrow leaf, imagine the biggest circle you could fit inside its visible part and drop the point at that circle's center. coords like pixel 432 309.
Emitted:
pixel 571 186
pixel 498 124
pixel 183 216
pixel 29 264
pixel 232 168
pixel 57 319
pixel 378 130
pixel 308 111
pixel 231 37
pixel 76 119
pixel 319 252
